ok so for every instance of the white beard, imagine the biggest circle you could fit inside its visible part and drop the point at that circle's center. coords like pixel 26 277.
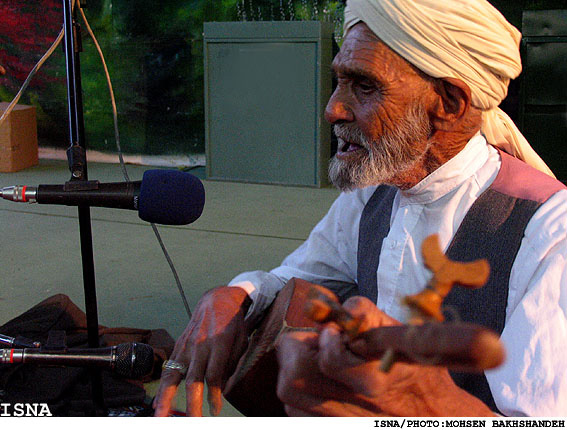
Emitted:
pixel 379 161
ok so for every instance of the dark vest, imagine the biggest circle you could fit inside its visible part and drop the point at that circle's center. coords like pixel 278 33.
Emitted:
pixel 493 228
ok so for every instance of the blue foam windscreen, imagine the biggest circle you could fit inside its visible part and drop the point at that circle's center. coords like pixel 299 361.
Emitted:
pixel 170 197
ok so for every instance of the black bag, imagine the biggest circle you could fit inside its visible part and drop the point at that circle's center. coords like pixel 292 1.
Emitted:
pixel 67 390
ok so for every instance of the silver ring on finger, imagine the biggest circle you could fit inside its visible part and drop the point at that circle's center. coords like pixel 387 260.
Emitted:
pixel 176 366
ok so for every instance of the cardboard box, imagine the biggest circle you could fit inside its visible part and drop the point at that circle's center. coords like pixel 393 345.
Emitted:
pixel 18 138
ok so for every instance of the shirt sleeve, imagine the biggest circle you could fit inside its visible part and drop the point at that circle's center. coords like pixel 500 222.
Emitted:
pixel 327 257
pixel 533 380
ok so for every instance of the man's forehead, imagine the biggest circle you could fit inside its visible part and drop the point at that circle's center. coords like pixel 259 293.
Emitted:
pixel 362 52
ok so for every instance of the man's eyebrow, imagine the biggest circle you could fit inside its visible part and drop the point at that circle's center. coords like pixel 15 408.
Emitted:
pixel 354 72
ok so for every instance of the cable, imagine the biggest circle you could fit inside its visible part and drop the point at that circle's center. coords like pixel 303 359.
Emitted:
pixel 32 73
pixel 122 165
pixel 111 91
pixel 170 262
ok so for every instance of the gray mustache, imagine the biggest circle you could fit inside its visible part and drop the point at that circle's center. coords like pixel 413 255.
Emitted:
pixel 350 133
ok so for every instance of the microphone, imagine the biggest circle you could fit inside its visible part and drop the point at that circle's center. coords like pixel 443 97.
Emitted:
pixel 129 360
pixel 18 342
pixel 166 197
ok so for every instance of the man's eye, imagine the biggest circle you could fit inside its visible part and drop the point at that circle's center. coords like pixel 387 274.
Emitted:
pixel 366 87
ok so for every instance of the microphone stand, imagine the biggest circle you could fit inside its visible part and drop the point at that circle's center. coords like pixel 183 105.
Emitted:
pixel 77 160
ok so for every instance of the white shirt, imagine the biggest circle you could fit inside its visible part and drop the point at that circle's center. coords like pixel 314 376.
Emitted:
pixel 533 380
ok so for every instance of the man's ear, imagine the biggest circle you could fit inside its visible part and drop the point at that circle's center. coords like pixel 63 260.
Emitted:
pixel 453 102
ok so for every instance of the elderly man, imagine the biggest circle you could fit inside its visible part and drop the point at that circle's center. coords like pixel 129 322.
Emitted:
pixel 415 112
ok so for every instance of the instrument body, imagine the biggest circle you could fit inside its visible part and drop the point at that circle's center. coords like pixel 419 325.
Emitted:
pixel 252 387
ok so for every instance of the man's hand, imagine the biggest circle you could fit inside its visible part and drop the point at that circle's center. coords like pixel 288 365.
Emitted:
pixel 322 374
pixel 210 347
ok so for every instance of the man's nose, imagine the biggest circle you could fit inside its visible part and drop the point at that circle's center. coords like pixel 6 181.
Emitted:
pixel 338 110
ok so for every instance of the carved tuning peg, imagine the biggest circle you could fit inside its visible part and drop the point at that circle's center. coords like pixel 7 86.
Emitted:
pixel 427 304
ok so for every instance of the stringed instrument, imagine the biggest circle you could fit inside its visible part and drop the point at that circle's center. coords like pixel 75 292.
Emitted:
pixel 301 305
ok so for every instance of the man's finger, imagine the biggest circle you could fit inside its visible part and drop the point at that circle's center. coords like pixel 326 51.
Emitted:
pixel 371 316
pixel 214 398
pixel 299 372
pixel 166 392
pixel 194 384
pixel 194 391
pixel 340 364
pixel 164 401
pixel 333 354
pixel 214 377
pixel 170 379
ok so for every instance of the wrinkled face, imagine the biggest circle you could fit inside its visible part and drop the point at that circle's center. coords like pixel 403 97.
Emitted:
pixel 379 114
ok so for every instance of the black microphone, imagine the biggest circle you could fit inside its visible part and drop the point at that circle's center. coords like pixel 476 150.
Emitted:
pixel 167 197
pixel 129 360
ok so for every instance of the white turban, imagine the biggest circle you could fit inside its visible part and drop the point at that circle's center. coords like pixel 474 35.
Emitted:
pixel 464 39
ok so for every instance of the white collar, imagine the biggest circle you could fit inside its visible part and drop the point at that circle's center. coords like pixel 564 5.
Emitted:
pixel 450 175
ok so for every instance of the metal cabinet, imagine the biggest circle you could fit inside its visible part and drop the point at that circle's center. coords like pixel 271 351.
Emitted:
pixel 543 108
pixel 266 87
